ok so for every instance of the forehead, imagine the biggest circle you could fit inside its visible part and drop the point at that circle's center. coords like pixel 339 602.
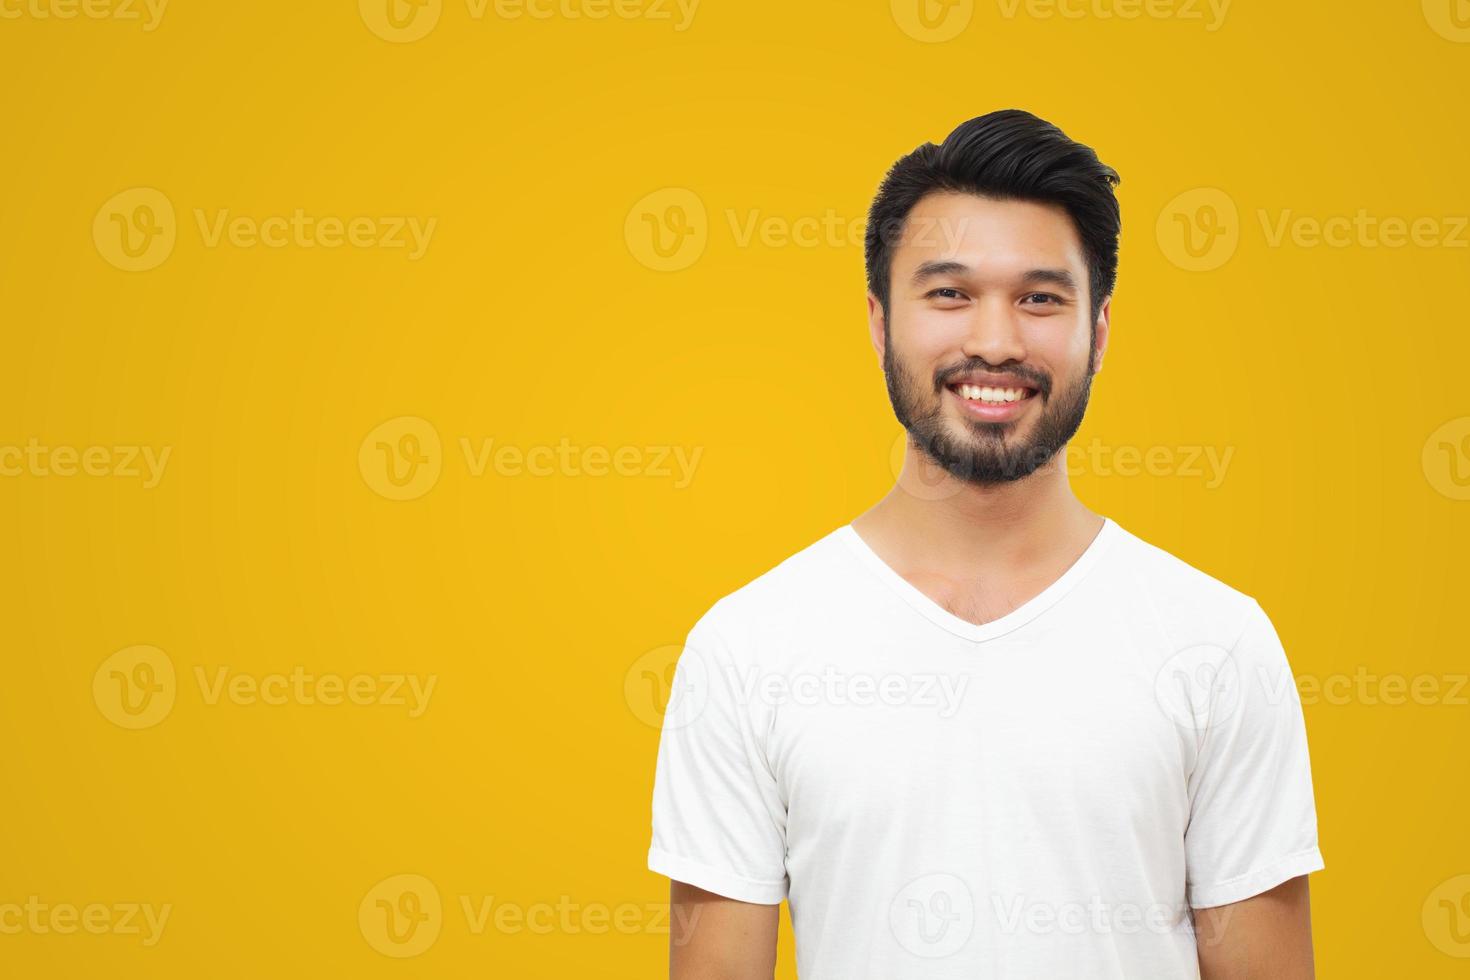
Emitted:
pixel 987 234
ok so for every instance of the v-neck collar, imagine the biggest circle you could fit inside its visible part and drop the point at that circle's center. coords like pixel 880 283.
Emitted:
pixel 1017 617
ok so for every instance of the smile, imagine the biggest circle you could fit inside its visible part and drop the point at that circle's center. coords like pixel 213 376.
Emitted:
pixel 1003 402
pixel 992 396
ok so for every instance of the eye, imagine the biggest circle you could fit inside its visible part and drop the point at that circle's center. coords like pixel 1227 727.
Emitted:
pixel 1047 299
pixel 944 292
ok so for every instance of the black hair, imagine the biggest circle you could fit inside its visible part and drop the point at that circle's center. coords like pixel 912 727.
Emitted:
pixel 1008 154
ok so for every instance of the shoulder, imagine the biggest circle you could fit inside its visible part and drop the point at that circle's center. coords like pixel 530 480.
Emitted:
pixel 1190 604
pixel 811 582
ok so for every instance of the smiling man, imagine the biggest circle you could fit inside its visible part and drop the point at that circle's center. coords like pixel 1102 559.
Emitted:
pixel 1120 785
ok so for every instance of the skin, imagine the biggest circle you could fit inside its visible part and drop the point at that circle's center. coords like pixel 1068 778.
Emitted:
pixel 981 551
pixel 728 940
pixel 1267 935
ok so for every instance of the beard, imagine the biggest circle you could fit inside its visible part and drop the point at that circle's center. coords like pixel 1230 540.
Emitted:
pixel 978 452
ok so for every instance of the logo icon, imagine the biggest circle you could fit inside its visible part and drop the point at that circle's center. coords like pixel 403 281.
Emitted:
pixel 926 480
pixel 932 21
pixel 402 458
pixel 933 916
pixel 1446 917
pixel 664 690
pixel 1199 230
pixel 1450 19
pixel 401 916
pixel 1446 459
pixel 400 21
pixel 135 687
pixel 136 229
pixel 667 230
pixel 1199 687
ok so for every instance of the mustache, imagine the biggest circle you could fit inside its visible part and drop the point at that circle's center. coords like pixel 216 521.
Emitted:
pixel 978 365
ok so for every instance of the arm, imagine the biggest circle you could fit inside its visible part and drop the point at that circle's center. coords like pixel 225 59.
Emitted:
pixel 1265 937
pixel 717 938
pixel 1251 838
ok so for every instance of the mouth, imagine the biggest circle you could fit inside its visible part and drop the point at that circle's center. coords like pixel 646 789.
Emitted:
pixel 999 401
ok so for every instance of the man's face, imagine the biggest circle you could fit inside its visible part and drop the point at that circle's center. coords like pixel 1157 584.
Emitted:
pixel 988 346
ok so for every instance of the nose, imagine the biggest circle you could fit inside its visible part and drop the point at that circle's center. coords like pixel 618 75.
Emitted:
pixel 994 335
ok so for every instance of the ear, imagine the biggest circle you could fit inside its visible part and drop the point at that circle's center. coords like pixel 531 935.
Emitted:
pixel 877 325
pixel 1100 331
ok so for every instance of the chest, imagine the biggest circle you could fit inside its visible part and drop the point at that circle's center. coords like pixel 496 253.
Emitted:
pixel 1012 738
pixel 974 601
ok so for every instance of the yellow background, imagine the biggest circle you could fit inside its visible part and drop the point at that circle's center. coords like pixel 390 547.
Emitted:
pixel 534 317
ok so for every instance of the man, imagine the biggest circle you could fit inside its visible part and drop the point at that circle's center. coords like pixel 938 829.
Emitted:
pixel 982 731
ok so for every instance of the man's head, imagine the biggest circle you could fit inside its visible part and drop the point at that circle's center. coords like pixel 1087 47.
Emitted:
pixel 991 260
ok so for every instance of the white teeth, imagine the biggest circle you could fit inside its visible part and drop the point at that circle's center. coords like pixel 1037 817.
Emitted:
pixel 993 395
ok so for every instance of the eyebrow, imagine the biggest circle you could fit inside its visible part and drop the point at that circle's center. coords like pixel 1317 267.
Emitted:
pixel 1031 277
pixel 935 268
pixel 1050 277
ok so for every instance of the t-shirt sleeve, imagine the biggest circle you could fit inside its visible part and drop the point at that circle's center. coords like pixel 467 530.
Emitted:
pixel 1253 820
pixel 718 820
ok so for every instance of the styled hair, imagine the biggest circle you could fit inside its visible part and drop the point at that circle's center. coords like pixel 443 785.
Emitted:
pixel 1008 154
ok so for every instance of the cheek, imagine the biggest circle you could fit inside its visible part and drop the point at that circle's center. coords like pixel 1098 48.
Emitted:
pixel 927 336
pixel 1063 346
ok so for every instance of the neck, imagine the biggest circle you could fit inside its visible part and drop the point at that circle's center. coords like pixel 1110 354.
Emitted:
pixel 946 521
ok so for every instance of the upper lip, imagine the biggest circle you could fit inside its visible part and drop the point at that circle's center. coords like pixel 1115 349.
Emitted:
pixel 991 381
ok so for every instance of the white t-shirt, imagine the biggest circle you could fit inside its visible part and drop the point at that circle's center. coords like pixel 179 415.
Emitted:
pixel 1045 795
